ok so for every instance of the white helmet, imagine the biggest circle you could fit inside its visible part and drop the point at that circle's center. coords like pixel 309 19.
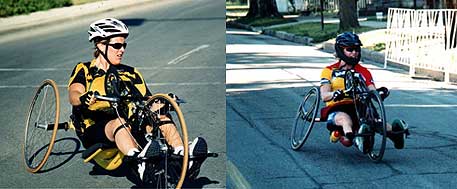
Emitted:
pixel 106 28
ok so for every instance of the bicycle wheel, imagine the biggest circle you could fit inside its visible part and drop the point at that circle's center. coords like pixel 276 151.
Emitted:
pixel 305 118
pixel 357 89
pixel 41 126
pixel 170 171
pixel 376 118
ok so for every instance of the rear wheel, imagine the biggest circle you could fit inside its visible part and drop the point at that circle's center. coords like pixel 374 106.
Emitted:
pixel 305 118
pixel 41 126
pixel 170 170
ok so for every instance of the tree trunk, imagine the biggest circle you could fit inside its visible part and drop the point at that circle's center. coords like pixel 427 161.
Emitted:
pixel 348 15
pixel 263 9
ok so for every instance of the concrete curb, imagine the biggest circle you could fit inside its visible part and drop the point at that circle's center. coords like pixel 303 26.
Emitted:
pixel 43 18
pixel 279 34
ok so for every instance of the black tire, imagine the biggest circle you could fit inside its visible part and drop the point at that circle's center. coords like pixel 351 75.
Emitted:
pixel 376 117
pixel 170 171
pixel 305 118
pixel 369 110
pixel 41 126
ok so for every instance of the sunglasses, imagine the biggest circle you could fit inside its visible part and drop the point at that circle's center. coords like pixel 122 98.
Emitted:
pixel 351 49
pixel 118 46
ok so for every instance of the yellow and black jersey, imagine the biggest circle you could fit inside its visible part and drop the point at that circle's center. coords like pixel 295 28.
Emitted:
pixel 334 76
pixel 94 79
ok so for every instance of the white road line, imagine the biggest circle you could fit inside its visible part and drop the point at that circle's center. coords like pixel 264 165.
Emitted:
pixel 236 177
pixel 140 68
pixel 421 105
pixel 185 55
pixel 32 69
pixel 148 84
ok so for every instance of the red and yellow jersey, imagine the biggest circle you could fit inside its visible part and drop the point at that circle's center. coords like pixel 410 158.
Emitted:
pixel 334 76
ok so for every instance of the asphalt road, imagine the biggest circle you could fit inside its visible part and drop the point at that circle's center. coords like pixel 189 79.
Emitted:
pixel 266 80
pixel 178 46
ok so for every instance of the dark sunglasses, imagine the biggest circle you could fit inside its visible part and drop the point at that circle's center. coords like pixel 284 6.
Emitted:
pixel 118 45
pixel 350 49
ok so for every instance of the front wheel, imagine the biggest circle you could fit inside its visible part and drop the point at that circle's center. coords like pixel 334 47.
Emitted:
pixel 305 118
pixel 376 118
pixel 170 171
pixel 41 126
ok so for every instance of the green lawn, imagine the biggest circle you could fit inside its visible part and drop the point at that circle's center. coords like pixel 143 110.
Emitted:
pixel 256 22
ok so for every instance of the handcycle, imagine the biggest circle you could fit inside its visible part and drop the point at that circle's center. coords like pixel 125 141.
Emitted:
pixel 42 126
pixel 369 110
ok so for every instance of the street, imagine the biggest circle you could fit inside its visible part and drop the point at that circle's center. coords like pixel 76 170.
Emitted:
pixel 266 80
pixel 178 46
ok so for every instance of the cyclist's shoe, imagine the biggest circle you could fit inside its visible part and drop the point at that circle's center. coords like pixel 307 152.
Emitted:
pixel 397 133
pixel 335 136
pixel 150 150
pixel 198 150
pixel 198 147
pixel 347 139
pixel 363 142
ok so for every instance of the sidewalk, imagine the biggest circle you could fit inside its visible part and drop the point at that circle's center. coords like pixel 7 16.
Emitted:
pixel 42 18
pixel 303 19
pixel 328 46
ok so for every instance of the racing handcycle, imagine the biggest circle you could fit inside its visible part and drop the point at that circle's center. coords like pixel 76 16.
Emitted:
pixel 369 110
pixel 42 126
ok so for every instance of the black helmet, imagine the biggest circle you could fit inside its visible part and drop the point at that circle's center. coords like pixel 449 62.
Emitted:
pixel 347 39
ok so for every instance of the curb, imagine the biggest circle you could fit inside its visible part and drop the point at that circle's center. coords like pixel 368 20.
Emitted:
pixel 279 34
pixel 34 20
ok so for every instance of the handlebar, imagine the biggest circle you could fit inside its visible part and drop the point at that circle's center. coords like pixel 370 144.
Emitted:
pixel 107 98
pixel 116 99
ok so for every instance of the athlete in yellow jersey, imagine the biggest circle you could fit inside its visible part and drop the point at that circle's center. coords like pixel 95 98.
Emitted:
pixel 340 111
pixel 95 119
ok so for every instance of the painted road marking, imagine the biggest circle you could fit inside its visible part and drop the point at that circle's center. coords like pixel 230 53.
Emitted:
pixel 140 68
pixel 187 54
pixel 148 84
pixel 421 105
pixel 236 177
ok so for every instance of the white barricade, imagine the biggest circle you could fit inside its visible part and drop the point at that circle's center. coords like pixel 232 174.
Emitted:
pixel 422 39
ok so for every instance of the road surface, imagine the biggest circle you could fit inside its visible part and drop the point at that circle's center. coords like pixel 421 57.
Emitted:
pixel 178 46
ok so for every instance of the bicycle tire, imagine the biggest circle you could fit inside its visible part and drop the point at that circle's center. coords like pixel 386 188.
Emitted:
pixel 305 118
pixel 36 153
pixel 166 180
pixel 378 122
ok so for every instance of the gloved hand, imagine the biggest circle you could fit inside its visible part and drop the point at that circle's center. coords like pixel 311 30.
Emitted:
pixel 383 92
pixel 88 98
pixel 338 95
pixel 174 97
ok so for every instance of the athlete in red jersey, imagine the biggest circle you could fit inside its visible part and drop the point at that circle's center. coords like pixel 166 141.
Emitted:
pixel 340 110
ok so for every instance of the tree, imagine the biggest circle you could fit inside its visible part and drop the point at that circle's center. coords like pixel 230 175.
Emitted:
pixel 348 15
pixel 263 9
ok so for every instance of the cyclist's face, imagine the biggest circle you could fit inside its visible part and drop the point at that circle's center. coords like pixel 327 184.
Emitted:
pixel 116 49
pixel 351 52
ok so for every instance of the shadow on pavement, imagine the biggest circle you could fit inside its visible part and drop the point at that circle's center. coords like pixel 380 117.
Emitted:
pixel 63 151
pixel 140 21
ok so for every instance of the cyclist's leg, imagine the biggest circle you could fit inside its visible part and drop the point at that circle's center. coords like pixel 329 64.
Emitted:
pixel 170 132
pixel 117 131
pixel 341 121
pixel 344 120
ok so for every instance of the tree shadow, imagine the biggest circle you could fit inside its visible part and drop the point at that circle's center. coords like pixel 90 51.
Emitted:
pixel 140 21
